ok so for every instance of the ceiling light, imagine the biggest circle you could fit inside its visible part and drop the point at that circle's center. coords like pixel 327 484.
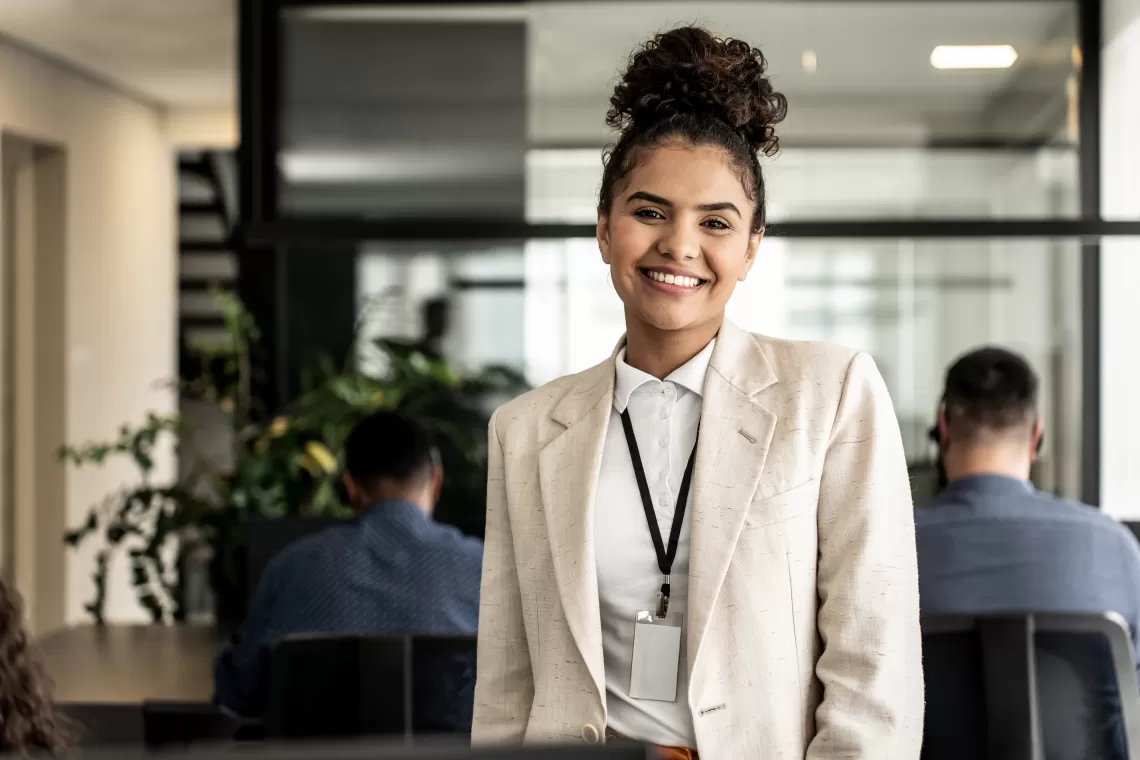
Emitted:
pixel 809 61
pixel 973 57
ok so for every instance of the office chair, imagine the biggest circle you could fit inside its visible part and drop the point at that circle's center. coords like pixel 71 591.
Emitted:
pixel 180 724
pixel 98 724
pixel 335 686
pixel 1030 687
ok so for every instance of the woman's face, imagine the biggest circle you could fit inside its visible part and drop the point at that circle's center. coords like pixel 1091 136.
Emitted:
pixel 678 237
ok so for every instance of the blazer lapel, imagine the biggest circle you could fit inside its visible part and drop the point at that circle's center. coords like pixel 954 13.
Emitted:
pixel 568 472
pixel 735 435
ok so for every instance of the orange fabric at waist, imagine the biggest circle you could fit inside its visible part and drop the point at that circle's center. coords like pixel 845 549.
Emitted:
pixel 663 753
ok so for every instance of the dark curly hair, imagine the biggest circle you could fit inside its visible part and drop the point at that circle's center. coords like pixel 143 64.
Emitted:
pixel 688 85
pixel 29 723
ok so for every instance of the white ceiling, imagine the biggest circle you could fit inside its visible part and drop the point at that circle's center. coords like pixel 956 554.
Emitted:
pixel 176 52
pixel 872 56
pixel 863 48
pixel 873 84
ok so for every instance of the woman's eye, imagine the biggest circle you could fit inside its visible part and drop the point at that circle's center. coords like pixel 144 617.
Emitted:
pixel 718 224
pixel 648 213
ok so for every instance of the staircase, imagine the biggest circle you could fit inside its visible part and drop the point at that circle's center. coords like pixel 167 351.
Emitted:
pixel 207 260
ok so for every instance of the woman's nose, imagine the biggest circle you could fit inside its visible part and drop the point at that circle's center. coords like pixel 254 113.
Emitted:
pixel 679 243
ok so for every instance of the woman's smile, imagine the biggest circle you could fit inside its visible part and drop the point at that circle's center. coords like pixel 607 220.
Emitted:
pixel 670 280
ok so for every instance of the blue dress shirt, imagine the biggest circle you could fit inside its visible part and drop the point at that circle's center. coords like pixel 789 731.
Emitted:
pixel 990 544
pixel 391 571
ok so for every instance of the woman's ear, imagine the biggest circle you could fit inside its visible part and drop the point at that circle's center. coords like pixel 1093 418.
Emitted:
pixel 750 254
pixel 603 235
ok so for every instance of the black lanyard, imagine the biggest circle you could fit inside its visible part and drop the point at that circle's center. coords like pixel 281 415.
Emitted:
pixel 665 556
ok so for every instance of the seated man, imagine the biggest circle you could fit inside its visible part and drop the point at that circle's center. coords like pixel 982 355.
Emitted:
pixel 392 570
pixel 990 542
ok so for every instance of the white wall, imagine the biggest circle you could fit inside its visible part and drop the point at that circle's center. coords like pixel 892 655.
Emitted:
pixel 214 128
pixel 1120 262
pixel 121 275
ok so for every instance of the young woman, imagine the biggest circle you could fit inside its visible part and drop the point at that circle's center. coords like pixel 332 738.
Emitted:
pixel 704 543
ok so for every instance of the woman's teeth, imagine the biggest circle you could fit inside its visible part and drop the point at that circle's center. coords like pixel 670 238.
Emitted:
pixel 670 279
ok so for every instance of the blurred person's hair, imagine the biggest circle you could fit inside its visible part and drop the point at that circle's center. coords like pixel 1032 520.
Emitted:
pixel 990 391
pixel 29 722
pixel 688 86
pixel 388 446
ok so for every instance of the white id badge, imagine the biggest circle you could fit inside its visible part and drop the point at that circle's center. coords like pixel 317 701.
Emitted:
pixel 656 657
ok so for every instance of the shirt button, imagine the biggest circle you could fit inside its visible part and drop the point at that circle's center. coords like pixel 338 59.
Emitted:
pixel 663 500
pixel 590 734
pixel 664 442
pixel 665 413
pixel 668 390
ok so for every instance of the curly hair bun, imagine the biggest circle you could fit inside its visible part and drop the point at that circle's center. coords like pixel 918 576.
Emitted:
pixel 689 71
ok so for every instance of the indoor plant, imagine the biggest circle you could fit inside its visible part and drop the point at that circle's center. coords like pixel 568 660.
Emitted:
pixel 282 464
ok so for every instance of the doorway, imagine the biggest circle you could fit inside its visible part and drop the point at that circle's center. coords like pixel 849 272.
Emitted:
pixel 33 504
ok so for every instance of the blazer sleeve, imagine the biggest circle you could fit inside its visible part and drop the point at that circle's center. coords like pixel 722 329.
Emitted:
pixel 867 577
pixel 504 685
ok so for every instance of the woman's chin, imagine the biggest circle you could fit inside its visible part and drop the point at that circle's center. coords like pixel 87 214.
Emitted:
pixel 671 321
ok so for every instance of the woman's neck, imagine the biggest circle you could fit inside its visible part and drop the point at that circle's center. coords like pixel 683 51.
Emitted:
pixel 660 352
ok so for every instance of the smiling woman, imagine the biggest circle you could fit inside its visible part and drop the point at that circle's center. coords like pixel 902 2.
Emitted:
pixel 763 602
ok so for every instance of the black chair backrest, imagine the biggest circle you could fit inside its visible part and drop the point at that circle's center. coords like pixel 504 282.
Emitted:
pixel 1029 687
pixel 181 724
pixel 338 686
pixel 95 724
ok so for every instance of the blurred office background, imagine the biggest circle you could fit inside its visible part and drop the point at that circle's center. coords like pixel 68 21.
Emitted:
pixel 427 174
pixel 433 117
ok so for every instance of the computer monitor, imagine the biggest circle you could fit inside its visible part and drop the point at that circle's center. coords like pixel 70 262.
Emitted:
pixel 269 535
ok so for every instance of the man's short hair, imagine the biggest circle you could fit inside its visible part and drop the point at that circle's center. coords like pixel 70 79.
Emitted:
pixel 990 391
pixel 388 446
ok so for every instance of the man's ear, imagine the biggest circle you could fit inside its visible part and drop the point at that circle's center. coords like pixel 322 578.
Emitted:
pixel 1035 444
pixel 943 430
pixel 437 482
pixel 603 234
pixel 750 254
pixel 351 489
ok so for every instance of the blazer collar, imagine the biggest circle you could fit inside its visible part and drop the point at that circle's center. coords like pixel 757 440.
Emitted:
pixel 735 437
pixel 737 358
pixel 568 467
pixel 740 361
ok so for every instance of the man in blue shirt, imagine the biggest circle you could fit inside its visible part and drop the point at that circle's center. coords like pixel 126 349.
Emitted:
pixel 990 542
pixel 391 570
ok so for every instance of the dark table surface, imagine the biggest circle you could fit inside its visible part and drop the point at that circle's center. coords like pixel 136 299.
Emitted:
pixel 131 664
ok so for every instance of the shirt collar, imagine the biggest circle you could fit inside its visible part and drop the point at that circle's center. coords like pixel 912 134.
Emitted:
pixel 690 376
pixel 394 510
pixel 986 485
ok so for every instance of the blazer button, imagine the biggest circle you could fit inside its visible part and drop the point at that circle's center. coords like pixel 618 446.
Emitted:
pixel 590 734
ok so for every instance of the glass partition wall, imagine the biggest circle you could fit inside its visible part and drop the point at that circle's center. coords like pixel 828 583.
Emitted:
pixel 444 161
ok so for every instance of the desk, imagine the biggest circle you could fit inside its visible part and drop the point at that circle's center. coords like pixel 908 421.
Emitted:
pixel 131 664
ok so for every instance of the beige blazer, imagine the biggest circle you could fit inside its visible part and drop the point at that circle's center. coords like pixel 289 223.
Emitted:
pixel 803 625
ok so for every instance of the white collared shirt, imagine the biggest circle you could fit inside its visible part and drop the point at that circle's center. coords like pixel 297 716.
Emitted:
pixel 665 416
